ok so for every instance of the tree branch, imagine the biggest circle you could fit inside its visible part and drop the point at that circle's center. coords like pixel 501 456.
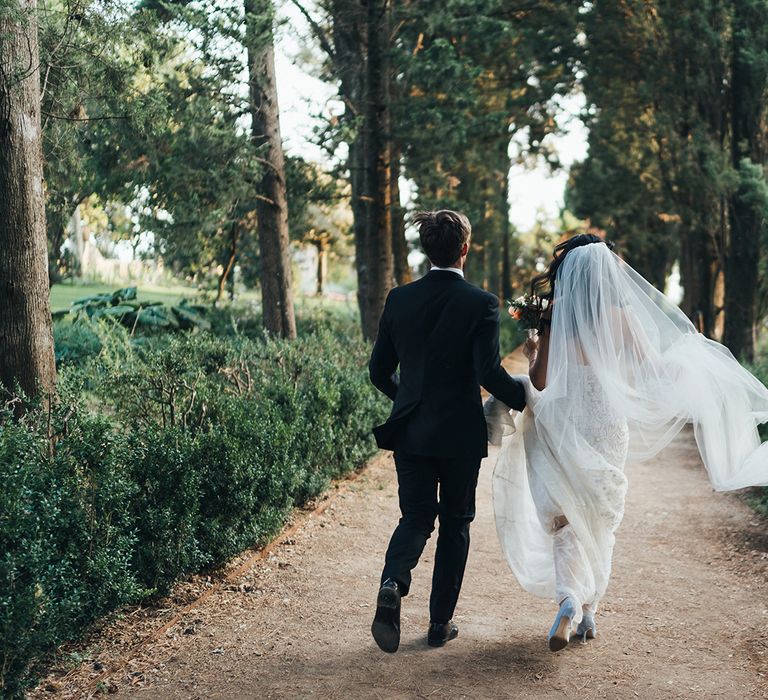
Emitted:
pixel 317 30
pixel 82 119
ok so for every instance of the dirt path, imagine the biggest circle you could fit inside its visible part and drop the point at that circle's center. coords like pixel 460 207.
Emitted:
pixel 685 616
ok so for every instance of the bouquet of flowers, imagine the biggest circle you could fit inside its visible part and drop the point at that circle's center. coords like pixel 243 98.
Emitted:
pixel 527 310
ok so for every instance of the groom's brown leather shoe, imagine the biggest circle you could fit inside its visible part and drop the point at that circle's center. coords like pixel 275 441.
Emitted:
pixel 386 624
pixel 441 632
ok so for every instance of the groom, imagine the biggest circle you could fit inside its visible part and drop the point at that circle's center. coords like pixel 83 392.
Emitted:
pixel 444 334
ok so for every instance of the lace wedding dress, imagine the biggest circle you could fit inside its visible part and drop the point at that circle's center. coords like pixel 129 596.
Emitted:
pixel 546 554
pixel 626 371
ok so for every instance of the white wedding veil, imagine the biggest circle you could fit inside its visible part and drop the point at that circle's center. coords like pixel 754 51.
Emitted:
pixel 653 367
pixel 625 368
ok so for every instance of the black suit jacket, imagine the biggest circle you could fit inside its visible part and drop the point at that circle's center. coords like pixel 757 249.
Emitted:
pixel 444 334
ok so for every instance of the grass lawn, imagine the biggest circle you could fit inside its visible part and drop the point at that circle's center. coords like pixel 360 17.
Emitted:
pixel 62 295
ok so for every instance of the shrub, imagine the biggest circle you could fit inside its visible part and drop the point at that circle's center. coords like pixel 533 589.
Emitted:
pixel 263 425
pixel 166 507
pixel 759 497
pixel 66 534
pixel 75 342
pixel 168 457
pixel 341 321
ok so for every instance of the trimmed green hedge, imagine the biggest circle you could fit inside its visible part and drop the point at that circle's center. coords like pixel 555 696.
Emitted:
pixel 66 535
pixel 168 458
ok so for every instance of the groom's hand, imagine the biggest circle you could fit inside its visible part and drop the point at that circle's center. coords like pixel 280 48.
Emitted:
pixel 485 355
pixel 499 419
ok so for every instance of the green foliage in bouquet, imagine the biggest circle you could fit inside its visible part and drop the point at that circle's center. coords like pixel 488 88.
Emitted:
pixel 526 310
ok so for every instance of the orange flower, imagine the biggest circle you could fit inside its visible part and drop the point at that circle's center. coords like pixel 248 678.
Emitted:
pixel 515 313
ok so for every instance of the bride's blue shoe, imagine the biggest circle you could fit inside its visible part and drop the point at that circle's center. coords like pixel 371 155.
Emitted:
pixel 560 634
pixel 586 629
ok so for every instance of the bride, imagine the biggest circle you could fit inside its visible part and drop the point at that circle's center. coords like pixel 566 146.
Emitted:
pixel 616 372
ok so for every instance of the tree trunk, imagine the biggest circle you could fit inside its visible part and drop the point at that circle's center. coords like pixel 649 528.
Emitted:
pixel 231 283
pixel 272 204
pixel 227 267
pixel 719 302
pixel 322 258
pixel 698 272
pixel 347 54
pixel 375 275
pixel 26 339
pixel 746 212
pixel 506 232
pixel 471 188
pixel 359 53
pixel 741 273
pixel 78 240
pixel 57 233
pixel 501 176
pixel 399 243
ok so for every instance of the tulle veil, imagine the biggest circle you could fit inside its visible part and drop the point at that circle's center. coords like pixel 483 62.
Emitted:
pixel 656 373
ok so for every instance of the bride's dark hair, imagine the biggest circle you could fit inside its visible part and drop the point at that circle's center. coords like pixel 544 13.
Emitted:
pixel 543 285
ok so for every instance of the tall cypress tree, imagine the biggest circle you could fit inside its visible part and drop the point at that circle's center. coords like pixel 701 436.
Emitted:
pixel 748 205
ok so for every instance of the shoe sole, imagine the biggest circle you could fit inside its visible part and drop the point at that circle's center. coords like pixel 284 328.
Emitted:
pixel 442 642
pixel 386 625
pixel 559 640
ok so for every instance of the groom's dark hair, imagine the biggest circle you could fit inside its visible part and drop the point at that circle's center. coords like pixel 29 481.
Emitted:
pixel 442 233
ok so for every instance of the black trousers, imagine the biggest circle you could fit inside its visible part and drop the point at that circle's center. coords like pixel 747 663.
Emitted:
pixel 431 488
